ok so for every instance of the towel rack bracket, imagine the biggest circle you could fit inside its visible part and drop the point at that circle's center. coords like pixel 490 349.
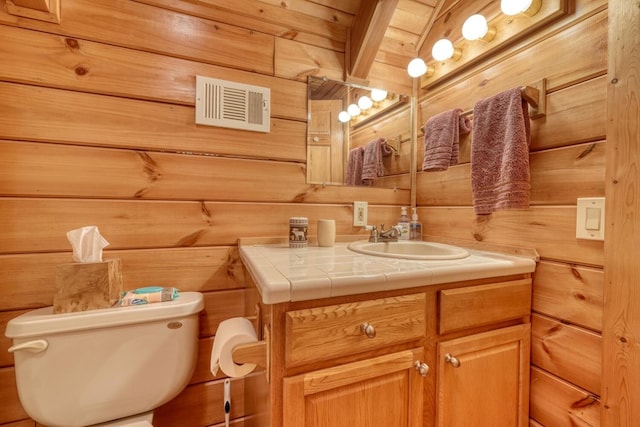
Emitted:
pixel 536 96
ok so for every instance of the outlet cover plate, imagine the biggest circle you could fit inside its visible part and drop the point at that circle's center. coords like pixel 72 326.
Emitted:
pixel 360 214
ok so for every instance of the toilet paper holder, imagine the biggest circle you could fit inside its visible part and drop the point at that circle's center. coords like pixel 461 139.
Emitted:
pixel 257 353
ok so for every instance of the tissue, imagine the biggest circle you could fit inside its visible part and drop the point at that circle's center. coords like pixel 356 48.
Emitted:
pixel 230 333
pixel 87 244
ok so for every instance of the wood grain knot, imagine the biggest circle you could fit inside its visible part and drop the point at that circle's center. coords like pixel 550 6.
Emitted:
pixel 72 43
pixel 81 70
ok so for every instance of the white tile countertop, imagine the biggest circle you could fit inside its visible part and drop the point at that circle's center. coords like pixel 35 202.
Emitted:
pixel 282 274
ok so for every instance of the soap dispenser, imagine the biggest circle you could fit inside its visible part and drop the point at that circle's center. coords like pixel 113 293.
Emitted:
pixel 415 226
pixel 403 224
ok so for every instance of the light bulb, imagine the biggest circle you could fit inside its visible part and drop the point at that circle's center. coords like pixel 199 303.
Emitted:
pixel 513 7
pixel 442 50
pixel 353 110
pixel 344 117
pixel 475 27
pixel 365 103
pixel 378 95
pixel 416 67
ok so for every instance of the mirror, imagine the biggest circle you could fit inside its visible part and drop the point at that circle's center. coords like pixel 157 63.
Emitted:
pixel 334 147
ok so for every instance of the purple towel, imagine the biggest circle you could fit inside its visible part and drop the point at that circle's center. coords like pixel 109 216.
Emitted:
pixel 442 139
pixel 372 166
pixel 354 166
pixel 500 153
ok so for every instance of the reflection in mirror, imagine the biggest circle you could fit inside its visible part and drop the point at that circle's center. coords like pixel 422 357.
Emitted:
pixel 356 136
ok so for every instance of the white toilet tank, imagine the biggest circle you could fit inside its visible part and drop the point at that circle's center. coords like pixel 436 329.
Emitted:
pixel 84 368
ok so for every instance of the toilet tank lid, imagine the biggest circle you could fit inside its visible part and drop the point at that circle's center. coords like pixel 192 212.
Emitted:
pixel 42 321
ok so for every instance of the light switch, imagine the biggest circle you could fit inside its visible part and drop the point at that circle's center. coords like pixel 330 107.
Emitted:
pixel 590 218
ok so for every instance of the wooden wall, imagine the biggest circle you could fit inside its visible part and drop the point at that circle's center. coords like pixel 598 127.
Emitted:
pixel 567 160
pixel 97 128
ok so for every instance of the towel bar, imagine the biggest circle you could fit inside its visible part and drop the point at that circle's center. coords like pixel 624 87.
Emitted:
pixel 535 95
pixel 530 94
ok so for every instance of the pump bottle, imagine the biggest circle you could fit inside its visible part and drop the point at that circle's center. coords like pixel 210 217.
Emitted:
pixel 403 224
pixel 415 226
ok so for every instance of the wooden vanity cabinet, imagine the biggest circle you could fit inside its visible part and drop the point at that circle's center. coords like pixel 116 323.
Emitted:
pixel 378 391
pixel 359 362
pixel 355 363
pixel 484 376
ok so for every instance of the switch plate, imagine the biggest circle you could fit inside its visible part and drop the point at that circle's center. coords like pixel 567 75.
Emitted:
pixel 359 214
pixel 590 218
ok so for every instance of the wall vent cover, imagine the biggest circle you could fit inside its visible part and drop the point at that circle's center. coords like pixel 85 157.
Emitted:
pixel 232 105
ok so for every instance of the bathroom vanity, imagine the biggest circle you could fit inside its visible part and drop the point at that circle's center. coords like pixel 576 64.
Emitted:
pixel 362 340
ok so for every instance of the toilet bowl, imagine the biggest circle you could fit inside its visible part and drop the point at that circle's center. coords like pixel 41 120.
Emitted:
pixel 108 367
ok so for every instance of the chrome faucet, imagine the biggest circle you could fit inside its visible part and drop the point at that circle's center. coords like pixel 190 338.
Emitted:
pixel 390 235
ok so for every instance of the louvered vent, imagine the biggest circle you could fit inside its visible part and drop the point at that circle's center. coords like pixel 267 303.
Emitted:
pixel 232 105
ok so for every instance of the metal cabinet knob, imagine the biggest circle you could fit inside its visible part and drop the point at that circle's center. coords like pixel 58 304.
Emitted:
pixel 452 359
pixel 421 367
pixel 368 329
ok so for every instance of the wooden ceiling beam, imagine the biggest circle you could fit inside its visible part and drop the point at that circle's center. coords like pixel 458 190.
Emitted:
pixel 365 37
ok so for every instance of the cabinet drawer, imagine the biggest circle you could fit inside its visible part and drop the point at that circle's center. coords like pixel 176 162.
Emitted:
pixel 323 333
pixel 472 306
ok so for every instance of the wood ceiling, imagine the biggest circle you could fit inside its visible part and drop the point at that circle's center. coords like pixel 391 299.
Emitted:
pixel 387 32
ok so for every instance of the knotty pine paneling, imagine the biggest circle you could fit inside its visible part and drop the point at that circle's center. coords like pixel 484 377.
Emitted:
pixel 24 423
pixel 567 161
pixel 200 405
pixel 40 225
pixel 152 29
pixel 44 59
pixel 557 403
pixel 563 58
pixel 297 61
pixel 53 115
pixel 574 115
pixel 26 170
pixel 30 278
pixel 6 358
pixel 549 229
pixel 98 128
pixel 558 177
pixel 11 409
pixel 567 51
pixel 285 26
pixel 567 351
pixel 569 292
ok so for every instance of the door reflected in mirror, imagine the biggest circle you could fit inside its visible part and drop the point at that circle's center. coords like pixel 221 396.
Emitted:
pixel 357 135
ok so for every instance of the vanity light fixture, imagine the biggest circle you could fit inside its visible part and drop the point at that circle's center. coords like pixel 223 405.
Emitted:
pixel 514 7
pixel 418 68
pixel 344 117
pixel 443 49
pixel 477 28
pixel 365 103
pixel 378 95
pixel 353 110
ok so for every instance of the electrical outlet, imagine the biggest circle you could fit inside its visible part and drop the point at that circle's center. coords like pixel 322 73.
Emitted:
pixel 359 214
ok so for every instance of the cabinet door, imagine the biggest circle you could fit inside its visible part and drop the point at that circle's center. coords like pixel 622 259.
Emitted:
pixel 483 379
pixel 381 391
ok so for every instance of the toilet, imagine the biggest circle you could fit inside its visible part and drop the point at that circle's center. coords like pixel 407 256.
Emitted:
pixel 109 367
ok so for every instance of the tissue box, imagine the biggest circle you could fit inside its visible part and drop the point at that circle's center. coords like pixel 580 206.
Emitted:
pixel 87 286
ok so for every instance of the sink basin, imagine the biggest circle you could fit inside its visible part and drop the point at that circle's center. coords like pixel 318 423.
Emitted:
pixel 409 250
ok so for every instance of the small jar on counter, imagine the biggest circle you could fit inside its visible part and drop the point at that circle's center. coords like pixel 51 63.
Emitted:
pixel 298 228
